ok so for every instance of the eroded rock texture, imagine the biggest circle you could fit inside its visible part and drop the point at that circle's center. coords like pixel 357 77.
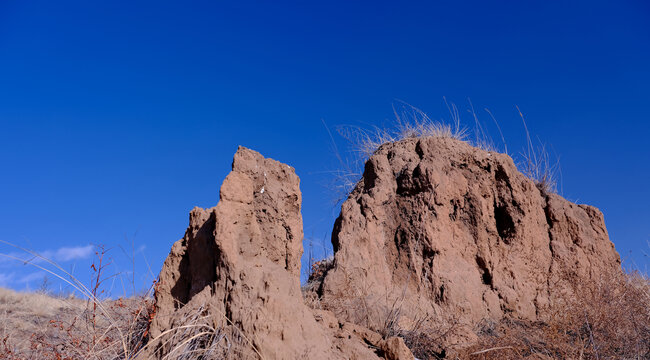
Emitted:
pixel 439 228
pixel 235 275
pixel 436 237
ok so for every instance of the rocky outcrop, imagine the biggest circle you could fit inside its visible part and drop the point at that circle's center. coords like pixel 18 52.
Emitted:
pixel 231 287
pixel 437 228
pixel 436 237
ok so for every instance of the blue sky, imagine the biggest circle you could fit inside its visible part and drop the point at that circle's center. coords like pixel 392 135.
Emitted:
pixel 116 118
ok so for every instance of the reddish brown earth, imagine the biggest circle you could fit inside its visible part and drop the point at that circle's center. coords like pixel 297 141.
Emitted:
pixel 449 232
pixel 436 237
pixel 238 270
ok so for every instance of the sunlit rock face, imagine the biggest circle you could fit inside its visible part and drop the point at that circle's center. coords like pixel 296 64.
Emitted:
pixel 236 274
pixel 449 230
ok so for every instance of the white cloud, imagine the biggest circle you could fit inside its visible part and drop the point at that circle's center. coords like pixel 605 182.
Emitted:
pixel 73 253
pixel 23 269
pixel 59 255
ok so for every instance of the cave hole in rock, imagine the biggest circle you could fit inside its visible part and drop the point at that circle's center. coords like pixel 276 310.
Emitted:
pixel 504 222
pixel 486 276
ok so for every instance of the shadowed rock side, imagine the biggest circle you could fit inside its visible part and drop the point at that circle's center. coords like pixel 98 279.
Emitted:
pixel 231 289
pixel 437 228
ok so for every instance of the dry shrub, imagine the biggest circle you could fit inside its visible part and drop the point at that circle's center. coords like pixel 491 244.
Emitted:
pixel 606 319
pixel 72 330
pixel 203 334
pixel 428 337
pixel 312 289
pixel 41 326
pixel 387 313
pixel 355 303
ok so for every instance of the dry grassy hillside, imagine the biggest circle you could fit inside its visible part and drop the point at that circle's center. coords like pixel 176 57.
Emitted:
pixel 43 326
pixel 610 320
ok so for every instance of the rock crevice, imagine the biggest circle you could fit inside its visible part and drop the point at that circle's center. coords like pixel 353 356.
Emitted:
pixel 237 271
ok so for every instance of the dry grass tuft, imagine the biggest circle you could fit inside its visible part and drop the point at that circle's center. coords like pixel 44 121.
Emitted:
pixel 608 319
pixel 410 122
pixel 537 165
pixel 202 335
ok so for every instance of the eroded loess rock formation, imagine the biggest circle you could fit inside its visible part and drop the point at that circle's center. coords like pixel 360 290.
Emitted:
pixel 231 287
pixel 439 231
pixel 437 237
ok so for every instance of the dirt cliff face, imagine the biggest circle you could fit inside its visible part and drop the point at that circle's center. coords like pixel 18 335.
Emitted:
pixel 439 228
pixel 436 237
pixel 231 287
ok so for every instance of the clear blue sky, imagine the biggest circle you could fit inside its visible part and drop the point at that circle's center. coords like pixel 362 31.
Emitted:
pixel 116 118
